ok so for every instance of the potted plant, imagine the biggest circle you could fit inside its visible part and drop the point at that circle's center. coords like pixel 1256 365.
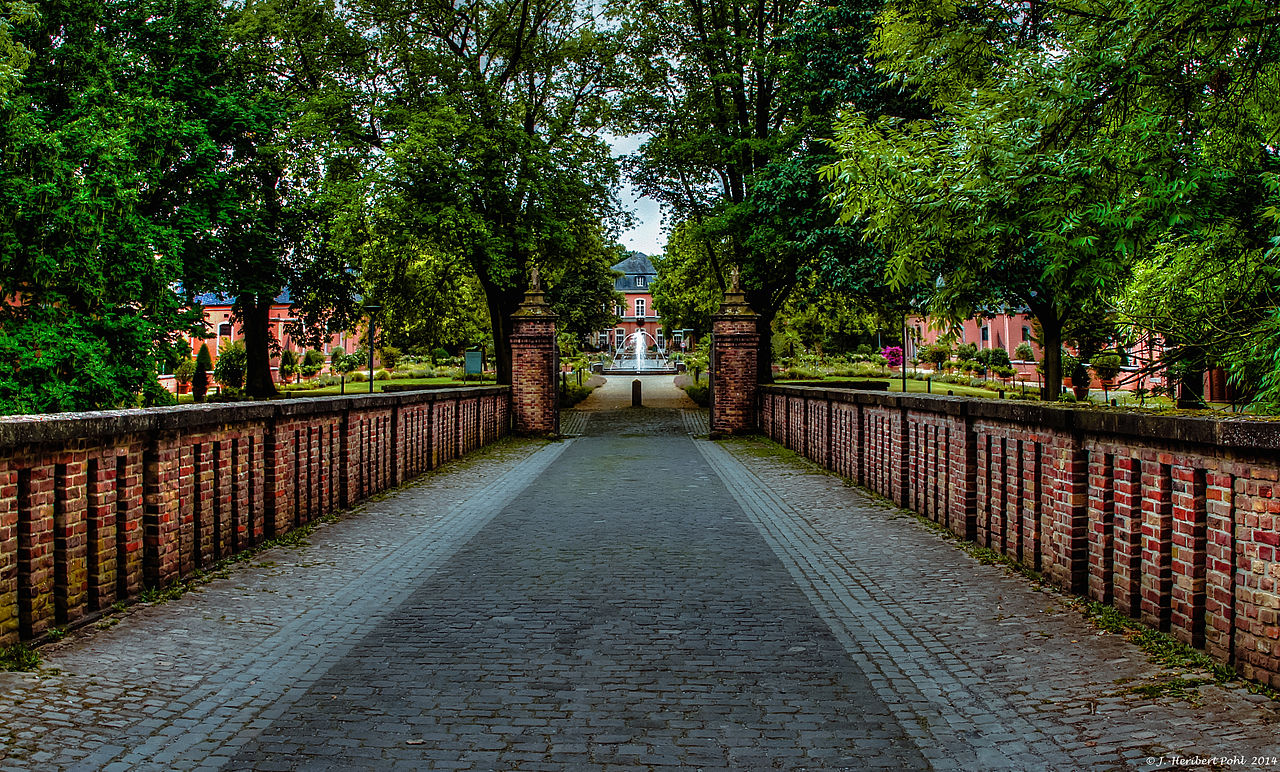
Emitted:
pixel 1106 366
pixel 183 374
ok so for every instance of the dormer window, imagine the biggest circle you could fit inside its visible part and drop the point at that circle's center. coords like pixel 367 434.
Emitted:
pixel 641 281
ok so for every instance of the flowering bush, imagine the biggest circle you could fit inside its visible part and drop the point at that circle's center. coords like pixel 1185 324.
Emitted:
pixel 893 354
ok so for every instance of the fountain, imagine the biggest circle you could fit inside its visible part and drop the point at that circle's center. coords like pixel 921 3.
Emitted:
pixel 632 356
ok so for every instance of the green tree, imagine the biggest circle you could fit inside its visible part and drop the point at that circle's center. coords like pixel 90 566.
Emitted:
pixel 735 95
pixel 936 354
pixel 229 371
pixel 183 373
pixel 489 115
pixel 14 56
pixel 200 379
pixel 1065 142
pixel 92 238
pixel 344 364
pixel 688 289
pixel 276 118
pixel 581 290
pixel 429 297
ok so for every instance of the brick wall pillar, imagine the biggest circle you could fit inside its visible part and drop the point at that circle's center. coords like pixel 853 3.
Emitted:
pixel 534 402
pixel 735 363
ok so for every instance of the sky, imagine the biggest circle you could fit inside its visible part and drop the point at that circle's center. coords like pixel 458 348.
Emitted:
pixel 647 235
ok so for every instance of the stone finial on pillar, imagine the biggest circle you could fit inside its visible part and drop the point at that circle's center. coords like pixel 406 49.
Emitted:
pixel 735 364
pixel 535 407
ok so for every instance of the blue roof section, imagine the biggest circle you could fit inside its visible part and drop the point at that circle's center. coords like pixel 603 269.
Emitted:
pixel 222 299
pixel 637 264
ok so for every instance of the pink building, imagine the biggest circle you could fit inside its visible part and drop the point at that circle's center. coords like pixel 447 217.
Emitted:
pixel 222 328
pixel 1010 330
pixel 636 311
pixel 1006 331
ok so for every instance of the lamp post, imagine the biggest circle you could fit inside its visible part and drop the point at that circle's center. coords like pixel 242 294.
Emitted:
pixel 371 308
pixel 904 352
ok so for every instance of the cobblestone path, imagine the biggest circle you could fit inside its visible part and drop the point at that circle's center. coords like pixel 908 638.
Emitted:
pixel 630 598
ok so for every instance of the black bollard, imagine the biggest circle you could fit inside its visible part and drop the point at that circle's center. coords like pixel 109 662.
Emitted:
pixel 635 393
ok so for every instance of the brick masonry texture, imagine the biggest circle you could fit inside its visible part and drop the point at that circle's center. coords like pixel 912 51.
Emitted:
pixel 535 403
pixel 735 363
pixel 96 507
pixel 1174 520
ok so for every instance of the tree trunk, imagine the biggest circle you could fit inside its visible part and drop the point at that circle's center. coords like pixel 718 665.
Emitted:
pixel 255 313
pixel 1191 389
pixel 764 349
pixel 1051 343
pixel 502 304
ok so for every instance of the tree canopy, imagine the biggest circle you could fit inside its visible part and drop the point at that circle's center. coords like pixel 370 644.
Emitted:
pixel 736 96
pixel 1066 144
pixel 488 116
pixel 1109 164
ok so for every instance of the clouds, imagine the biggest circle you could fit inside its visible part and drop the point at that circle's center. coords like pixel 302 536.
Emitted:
pixel 646 235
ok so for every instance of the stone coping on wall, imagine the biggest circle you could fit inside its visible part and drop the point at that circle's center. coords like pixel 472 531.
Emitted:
pixel 62 427
pixel 1234 432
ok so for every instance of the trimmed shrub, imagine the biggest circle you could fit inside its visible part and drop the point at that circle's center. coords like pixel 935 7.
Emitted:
pixel 1024 352
pixel 389 355
pixel 312 362
pixel 1106 366
pixel 233 360
pixel 699 392
pixel 200 378
pixel 183 373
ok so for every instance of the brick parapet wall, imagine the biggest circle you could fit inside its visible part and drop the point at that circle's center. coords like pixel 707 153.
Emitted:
pixel 535 402
pixel 735 373
pixel 95 507
pixel 1174 520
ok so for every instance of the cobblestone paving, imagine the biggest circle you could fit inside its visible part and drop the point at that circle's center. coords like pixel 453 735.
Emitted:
pixel 182 684
pixel 983 669
pixel 628 599
pixel 620 614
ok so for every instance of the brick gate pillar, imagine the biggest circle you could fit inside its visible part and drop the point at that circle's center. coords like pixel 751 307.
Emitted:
pixel 735 365
pixel 534 404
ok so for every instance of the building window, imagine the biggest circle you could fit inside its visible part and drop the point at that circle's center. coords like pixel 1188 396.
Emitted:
pixel 659 336
pixel 641 281
pixel 677 337
pixel 639 306
pixel 986 334
pixel 617 310
pixel 604 340
pixel 1026 334
pixel 619 336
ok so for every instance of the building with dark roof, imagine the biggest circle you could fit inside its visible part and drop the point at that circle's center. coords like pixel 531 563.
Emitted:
pixel 635 279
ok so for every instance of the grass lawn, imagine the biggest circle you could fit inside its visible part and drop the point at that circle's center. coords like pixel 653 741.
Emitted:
pixel 913 386
pixel 355 388
pixel 363 388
